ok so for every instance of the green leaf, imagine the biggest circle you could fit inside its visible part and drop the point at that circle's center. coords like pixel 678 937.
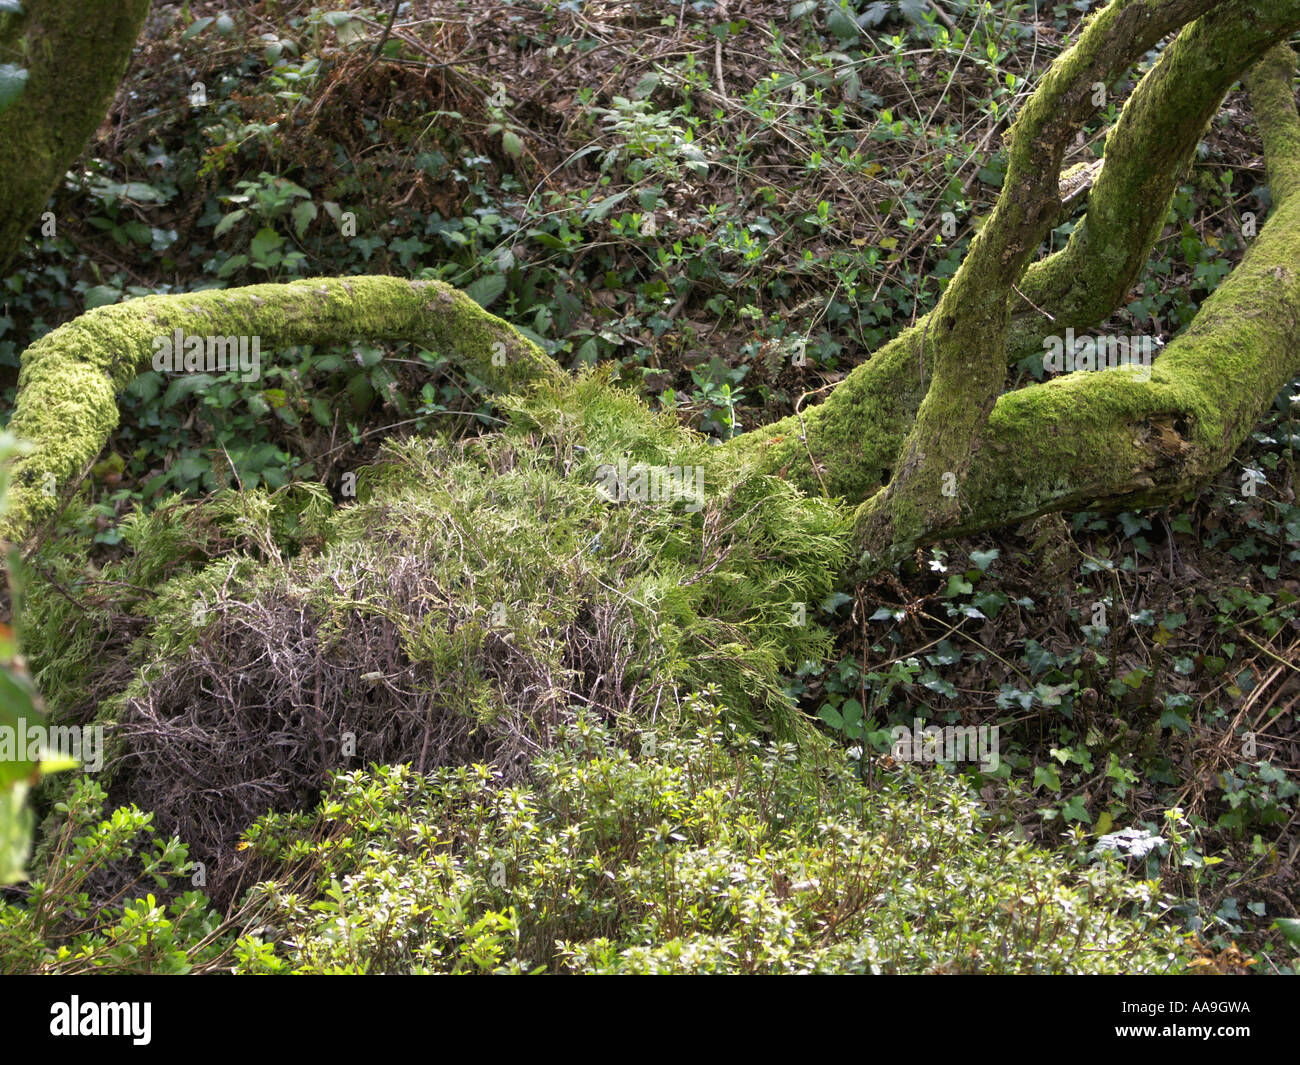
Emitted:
pixel 15 832
pixel 17 704
pixel 600 210
pixel 804 7
pixel 186 385
pixel 958 586
pixel 138 232
pixel 547 240
pixel 141 191
pixel 225 25
pixel 1047 776
pixel 832 717
pixel 13 80
pixel 196 27
pixel 834 601
pixel 102 296
pixel 304 213
pixel 512 143
pixel 264 243
pixel 841 25
pixel 223 227
pixel 486 290
pixel 320 410
pixel 235 262
pixel 1290 928
pixel 1075 810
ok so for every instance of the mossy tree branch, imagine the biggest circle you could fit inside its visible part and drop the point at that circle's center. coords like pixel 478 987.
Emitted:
pixel 1146 155
pixel 850 443
pixel 70 378
pixel 1135 437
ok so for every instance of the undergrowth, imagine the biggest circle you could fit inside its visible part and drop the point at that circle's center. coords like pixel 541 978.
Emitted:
pixel 703 849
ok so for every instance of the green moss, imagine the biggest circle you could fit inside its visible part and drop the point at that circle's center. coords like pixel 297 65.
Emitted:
pixel 1146 155
pixel 70 378
pixel 1272 95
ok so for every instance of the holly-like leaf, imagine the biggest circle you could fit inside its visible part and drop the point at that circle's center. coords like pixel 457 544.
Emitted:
pixel 13 80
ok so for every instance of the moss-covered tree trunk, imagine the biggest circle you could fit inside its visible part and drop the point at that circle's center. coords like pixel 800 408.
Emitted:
pixel 849 445
pixel 75 53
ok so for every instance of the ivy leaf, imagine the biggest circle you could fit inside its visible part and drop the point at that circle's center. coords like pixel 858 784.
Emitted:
pixel 102 296
pixel 834 601
pixel 1075 810
pixel 1290 928
pixel 1046 775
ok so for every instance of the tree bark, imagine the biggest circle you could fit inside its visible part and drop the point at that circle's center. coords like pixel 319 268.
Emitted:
pixel 1135 438
pixel 969 325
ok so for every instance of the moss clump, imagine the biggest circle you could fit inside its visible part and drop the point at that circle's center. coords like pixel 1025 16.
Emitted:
pixel 472 597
